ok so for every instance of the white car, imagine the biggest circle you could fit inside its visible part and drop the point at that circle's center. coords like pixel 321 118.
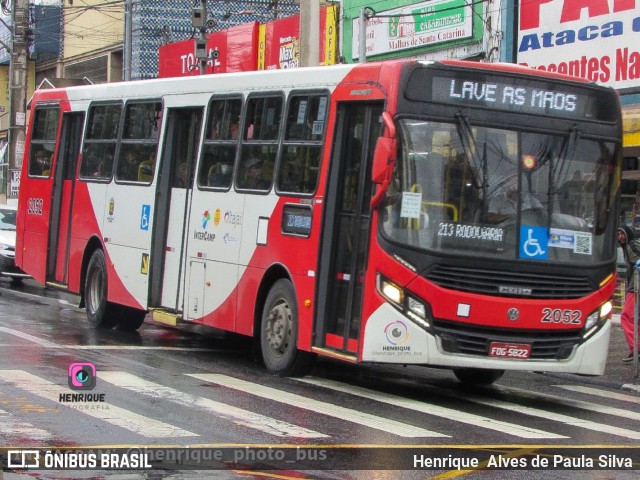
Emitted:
pixel 8 245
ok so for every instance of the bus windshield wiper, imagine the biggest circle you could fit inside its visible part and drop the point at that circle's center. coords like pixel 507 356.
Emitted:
pixel 566 154
pixel 470 149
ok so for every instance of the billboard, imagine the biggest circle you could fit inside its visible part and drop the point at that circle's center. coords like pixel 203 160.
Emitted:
pixel 280 41
pixel 251 46
pixel 592 39
pixel 236 46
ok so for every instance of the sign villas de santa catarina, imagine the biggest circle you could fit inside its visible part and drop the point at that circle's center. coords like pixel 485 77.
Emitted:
pixel 414 26
pixel 594 39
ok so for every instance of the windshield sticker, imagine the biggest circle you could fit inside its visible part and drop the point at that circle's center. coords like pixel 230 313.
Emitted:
pixel 533 242
pixel 411 203
pixel 583 243
pixel 578 242
pixel 559 238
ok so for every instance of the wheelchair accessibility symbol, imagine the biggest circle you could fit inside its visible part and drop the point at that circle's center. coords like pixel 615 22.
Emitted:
pixel 144 217
pixel 534 242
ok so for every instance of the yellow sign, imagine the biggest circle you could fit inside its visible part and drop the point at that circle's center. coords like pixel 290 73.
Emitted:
pixel 631 127
pixel 144 266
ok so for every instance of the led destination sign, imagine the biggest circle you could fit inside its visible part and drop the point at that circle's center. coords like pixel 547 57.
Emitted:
pixel 503 96
pixel 495 92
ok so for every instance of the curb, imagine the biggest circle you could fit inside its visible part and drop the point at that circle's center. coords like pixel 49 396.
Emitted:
pixel 633 387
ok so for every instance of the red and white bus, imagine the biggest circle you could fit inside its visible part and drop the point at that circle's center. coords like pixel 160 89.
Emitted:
pixel 450 214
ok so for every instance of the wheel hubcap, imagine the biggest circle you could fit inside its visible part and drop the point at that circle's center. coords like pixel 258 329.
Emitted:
pixel 279 327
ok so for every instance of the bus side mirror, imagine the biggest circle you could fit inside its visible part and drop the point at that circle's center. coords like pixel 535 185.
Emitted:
pixel 384 159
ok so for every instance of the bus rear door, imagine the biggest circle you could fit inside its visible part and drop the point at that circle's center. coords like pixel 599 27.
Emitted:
pixel 180 152
pixel 345 239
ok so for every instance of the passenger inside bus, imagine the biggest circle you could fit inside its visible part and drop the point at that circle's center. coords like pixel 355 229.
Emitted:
pixel 219 175
pixel 255 177
pixel 41 163
pixel 182 177
pixel 145 171
pixel 128 170
pixel 504 204
pixel 234 131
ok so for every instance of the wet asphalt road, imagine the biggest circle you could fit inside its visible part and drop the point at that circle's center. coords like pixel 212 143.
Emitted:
pixel 192 386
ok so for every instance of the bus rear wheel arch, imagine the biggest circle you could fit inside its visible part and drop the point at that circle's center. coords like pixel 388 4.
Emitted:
pixel 279 333
pixel 477 376
pixel 100 312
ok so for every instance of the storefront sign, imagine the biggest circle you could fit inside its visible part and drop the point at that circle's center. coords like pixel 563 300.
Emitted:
pixel 593 39
pixel 412 26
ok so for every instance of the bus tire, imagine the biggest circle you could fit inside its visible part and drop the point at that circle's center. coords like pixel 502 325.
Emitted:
pixel 279 333
pixel 131 319
pixel 478 376
pixel 100 312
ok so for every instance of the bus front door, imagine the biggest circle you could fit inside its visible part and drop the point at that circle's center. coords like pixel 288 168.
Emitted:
pixel 345 238
pixel 180 152
pixel 62 196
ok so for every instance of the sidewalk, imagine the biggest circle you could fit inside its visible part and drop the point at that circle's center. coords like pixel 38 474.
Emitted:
pixel 617 375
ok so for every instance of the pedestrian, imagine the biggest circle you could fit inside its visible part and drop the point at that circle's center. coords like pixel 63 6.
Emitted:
pixel 631 250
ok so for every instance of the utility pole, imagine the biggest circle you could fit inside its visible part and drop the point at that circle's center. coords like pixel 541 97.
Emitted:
pixel 17 95
pixel 309 32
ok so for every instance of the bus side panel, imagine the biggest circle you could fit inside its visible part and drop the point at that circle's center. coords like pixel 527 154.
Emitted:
pixel 247 295
pixel 35 197
pixel 298 255
pixel 128 212
pixel 84 225
pixel 305 293
pixel 90 204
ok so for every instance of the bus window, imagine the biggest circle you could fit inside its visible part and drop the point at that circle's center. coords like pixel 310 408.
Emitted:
pixel 220 144
pixel 263 118
pixel 43 141
pixel 224 118
pixel 137 156
pixel 302 148
pixel 216 168
pixel 100 142
pixel 260 143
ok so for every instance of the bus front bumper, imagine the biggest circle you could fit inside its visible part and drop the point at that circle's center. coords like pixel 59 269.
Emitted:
pixel 390 337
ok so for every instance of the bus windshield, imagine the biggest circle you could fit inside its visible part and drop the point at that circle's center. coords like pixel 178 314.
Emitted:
pixel 464 189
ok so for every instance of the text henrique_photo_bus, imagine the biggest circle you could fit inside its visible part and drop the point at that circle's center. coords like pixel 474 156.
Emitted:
pixel 448 214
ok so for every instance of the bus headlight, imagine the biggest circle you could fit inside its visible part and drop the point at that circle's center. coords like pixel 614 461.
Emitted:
pixel 596 317
pixel 410 306
pixel 390 291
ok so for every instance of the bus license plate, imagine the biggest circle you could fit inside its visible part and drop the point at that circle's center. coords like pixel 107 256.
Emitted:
pixel 509 350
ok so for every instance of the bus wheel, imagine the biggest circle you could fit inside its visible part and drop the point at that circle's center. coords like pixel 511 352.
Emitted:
pixel 131 319
pixel 279 333
pixel 100 313
pixel 478 376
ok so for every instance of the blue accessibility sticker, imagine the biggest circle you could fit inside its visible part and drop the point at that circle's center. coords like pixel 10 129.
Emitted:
pixel 534 242
pixel 144 217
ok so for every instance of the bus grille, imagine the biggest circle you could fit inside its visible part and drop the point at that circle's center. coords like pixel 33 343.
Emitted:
pixel 474 340
pixel 509 284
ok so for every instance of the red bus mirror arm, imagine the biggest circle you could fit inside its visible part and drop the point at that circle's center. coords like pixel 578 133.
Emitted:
pixel 384 159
